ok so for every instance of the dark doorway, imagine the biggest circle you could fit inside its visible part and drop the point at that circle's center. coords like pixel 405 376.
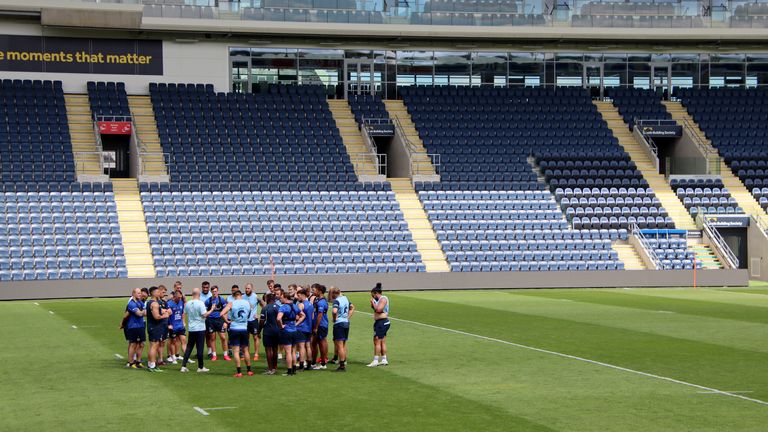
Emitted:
pixel 116 155
pixel 736 239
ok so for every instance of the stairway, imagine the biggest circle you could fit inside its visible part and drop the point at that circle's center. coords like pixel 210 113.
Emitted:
pixel 418 223
pixel 656 181
pixel 743 197
pixel 629 256
pixel 352 138
pixel 133 228
pixel 146 130
pixel 87 155
pixel 704 254
pixel 397 110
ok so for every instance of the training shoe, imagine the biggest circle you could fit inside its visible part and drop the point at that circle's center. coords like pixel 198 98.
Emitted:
pixel 214 358
pixel 340 369
pixel 279 356
pixel 203 370
pixel 183 370
pixel 138 365
pixel 383 363
pixel 154 369
pixel 250 373
pixel 332 361
pixel 129 364
pixel 319 367
pixel 169 359
pixel 227 357
pixel 255 357
pixel 373 364
pixel 210 355
pixel 238 375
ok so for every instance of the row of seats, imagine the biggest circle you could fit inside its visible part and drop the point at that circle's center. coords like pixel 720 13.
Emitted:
pixel 288 269
pixel 40 274
pixel 671 249
pixel 495 266
pixel 313 15
pixel 367 107
pixel 638 104
pixel 705 195
pixel 637 21
pixel 108 99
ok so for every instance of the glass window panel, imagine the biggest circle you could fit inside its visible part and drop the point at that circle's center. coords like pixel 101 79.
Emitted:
pixel 615 58
pixel 239 52
pixel 640 58
pixel 569 57
pixel 727 58
pixel 758 72
pixel 489 68
pixel 757 58
pixel 454 66
pixel 569 74
pixel 639 75
pixel 726 74
pixel 415 67
pixel 615 74
pixel 529 73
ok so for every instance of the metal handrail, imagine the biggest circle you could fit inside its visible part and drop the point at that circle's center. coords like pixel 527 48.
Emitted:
pixel 409 146
pixel 710 153
pixel 143 165
pixel 719 241
pixel 379 161
pixel 648 141
pixel 635 229
pixel 99 145
pixel 760 223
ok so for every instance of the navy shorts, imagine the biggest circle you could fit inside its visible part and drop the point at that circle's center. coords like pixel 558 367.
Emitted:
pixel 238 338
pixel 322 333
pixel 302 337
pixel 214 325
pixel 158 334
pixel 174 333
pixel 135 335
pixel 253 327
pixel 270 340
pixel 287 338
pixel 341 332
pixel 381 327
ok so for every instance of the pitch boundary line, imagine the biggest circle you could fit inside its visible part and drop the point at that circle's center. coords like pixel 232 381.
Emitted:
pixel 204 411
pixel 201 411
pixel 583 359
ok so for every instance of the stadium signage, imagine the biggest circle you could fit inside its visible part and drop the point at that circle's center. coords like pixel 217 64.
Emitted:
pixel 381 129
pixel 80 55
pixel 728 221
pixel 662 131
pixel 115 128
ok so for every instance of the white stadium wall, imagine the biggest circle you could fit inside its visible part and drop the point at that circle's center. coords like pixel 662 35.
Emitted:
pixel 199 62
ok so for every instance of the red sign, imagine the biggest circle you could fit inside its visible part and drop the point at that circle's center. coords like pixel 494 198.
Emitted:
pixel 115 127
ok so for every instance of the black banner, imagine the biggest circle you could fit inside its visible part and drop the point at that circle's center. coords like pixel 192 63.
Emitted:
pixel 662 131
pixel 381 129
pixel 728 221
pixel 76 55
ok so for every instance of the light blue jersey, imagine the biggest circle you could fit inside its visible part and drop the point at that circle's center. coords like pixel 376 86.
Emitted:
pixel 241 311
pixel 253 299
pixel 342 304
pixel 204 297
pixel 386 307
pixel 195 319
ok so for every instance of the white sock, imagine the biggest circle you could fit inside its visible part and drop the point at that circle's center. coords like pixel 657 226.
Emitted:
pixel 209 351
pixel 383 358
pixel 375 359
pixel 151 365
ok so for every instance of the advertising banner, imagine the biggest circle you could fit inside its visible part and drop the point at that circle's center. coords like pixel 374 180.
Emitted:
pixel 728 221
pixel 115 127
pixel 662 131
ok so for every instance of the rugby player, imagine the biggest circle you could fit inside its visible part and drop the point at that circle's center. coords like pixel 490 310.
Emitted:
pixel 253 320
pixel 157 325
pixel 240 311
pixel 134 329
pixel 304 329
pixel 196 315
pixel 176 331
pixel 320 329
pixel 288 317
pixel 342 312
pixel 215 323
pixel 380 306
pixel 271 328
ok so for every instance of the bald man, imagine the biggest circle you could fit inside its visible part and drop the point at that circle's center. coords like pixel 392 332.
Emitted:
pixel 196 315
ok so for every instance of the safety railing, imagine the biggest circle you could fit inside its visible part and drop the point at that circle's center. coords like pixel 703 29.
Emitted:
pixel 710 154
pixel 378 160
pixel 82 161
pixel 720 244
pixel 416 166
pixel 148 162
pixel 650 251
pixel 99 146
pixel 651 148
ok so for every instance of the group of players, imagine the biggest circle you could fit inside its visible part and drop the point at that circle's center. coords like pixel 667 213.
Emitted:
pixel 292 324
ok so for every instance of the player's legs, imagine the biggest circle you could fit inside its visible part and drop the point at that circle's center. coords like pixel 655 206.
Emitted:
pixel 139 353
pixel 224 346
pixel 131 352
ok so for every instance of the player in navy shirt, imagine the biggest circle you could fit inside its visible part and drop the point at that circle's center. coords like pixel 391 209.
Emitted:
pixel 270 327
pixel 304 329
pixel 157 325
pixel 320 329
pixel 289 316
pixel 215 323
pixel 134 328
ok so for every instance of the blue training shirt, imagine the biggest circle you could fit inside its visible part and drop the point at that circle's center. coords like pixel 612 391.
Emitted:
pixel 195 311
pixel 253 299
pixel 219 302
pixel 309 312
pixel 342 304
pixel 177 314
pixel 289 311
pixel 240 312
pixel 134 307
pixel 321 308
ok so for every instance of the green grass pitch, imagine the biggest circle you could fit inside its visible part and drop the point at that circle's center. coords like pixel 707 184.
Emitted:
pixel 485 361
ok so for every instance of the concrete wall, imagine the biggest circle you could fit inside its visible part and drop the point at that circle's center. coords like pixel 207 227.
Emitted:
pixel 201 62
pixel 690 158
pixel 395 282
pixel 398 162
pixel 757 249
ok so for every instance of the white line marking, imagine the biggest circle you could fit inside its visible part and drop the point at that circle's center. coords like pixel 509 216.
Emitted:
pixel 219 408
pixel 582 359
pixel 37 304
pixel 119 357
pixel 201 411
pixel 74 327
pixel 666 312
pixel 729 391
pixel 567 300
pixel 50 312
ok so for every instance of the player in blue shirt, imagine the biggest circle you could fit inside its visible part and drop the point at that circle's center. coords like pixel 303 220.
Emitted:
pixel 215 323
pixel 289 317
pixel 176 331
pixel 134 328
pixel 304 330
pixel 320 329
pixel 380 306
pixel 205 291
pixel 271 328
pixel 253 321
pixel 240 312
pixel 196 315
pixel 157 324
pixel 342 312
